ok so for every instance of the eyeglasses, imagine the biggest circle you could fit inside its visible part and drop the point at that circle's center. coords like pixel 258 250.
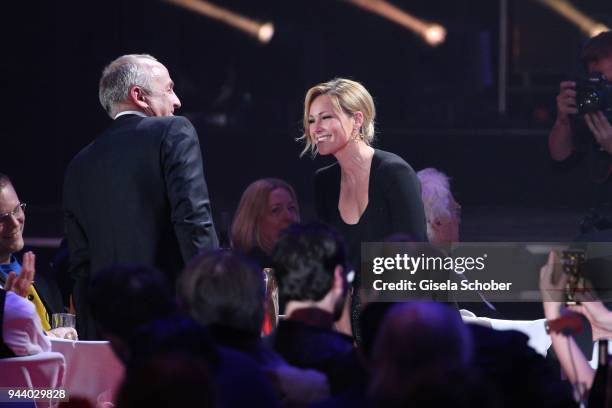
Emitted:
pixel 14 212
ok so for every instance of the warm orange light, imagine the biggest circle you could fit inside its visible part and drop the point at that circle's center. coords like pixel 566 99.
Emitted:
pixel 433 34
pixel 571 13
pixel 262 31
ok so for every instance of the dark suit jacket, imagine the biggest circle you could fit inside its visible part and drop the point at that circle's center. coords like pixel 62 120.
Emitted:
pixel 137 194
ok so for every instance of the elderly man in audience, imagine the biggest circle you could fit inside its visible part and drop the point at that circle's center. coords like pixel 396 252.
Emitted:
pixel 310 263
pixel 442 211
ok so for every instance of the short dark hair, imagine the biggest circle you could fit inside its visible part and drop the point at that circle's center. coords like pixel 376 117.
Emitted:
pixel 597 48
pixel 223 287
pixel 4 180
pixel 305 258
pixel 125 297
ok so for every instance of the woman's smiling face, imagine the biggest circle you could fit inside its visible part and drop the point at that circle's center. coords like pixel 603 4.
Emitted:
pixel 329 128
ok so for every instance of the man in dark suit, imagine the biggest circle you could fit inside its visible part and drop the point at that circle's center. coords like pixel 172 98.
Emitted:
pixel 137 194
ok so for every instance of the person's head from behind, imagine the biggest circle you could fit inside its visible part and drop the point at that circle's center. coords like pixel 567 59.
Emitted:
pixel 596 54
pixel 168 379
pixel 137 82
pixel 12 220
pixel 418 343
pixel 442 212
pixel 223 288
pixel 266 207
pixel 310 266
pixel 124 297
pixel 336 112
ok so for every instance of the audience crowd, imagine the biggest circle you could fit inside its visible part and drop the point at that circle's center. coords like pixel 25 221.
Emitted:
pixel 190 322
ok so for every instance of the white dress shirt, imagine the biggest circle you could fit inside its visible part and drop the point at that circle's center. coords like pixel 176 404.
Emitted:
pixel 21 329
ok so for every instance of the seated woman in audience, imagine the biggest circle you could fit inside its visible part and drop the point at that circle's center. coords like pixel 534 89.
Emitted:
pixel 225 291
pixel 266 207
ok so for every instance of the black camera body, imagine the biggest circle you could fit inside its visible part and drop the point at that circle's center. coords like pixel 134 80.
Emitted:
pixel 594 94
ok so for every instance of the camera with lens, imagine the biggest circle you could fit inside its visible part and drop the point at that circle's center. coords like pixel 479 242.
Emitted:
pixel 594 94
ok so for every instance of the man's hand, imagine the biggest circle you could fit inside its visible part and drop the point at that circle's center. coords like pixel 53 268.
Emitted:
pixel 20 284
pixel 566 101
pixel 601 129
pixel 64 333
pixel 560 143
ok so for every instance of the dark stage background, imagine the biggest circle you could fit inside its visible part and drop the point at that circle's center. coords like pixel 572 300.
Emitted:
pixel 436 106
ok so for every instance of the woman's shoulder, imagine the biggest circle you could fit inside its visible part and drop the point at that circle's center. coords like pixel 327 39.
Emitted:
pixel 391 162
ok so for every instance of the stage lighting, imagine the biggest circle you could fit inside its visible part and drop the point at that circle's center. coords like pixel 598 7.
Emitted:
pixel 262 31
pixel 571 13
pixel 432 34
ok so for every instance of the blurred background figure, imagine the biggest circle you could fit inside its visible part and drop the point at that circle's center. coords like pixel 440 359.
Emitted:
pixel 442 211
pixel 266 207
pixel 225 291
pixel 422 357
pixel 142 320
pixel 585 131
pixel 169 379
pixel 123 298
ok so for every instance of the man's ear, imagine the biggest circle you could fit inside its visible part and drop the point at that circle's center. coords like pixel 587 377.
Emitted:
pixel 137 97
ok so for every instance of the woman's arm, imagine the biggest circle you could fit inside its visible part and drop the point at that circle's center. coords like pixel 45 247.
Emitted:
pixel 572 361
pixel 404 199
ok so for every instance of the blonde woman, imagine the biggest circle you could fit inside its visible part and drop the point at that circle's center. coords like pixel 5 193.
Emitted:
pixel 266 207
pixel 367 194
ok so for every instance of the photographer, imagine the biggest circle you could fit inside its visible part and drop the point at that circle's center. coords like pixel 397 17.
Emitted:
pixel 591 134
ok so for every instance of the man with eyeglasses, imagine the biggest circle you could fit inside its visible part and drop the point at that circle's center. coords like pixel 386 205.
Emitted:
pixel 14 276
pixel 137 193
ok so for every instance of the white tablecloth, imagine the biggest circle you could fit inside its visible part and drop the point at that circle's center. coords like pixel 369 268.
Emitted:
pixel 539 340
pixel 42 370
pixel 91 367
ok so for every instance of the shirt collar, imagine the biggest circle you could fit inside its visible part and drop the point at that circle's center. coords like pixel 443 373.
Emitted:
pixel 130 112
pixel 312 316
pixel 13 265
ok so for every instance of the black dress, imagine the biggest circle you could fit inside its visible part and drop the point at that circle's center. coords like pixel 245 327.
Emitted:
pixel 394 203
pixel 394 207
